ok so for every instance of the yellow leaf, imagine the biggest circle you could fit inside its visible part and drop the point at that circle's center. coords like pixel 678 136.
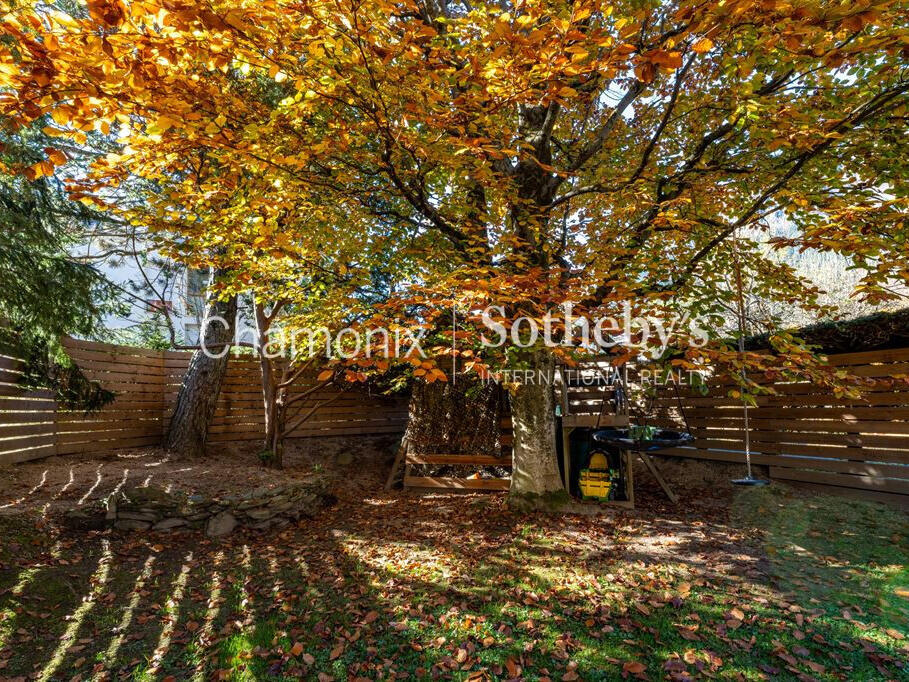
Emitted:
pixel 703 45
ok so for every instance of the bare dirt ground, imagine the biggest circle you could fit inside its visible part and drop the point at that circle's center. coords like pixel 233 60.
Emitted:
pixel 55 484
pixel 403 585
pixel 696 530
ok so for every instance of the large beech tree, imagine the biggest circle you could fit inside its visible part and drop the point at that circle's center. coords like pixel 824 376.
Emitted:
pixel 532 152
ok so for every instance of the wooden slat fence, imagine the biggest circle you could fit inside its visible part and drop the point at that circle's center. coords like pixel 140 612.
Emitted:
pixel 807 435
pixel 239 416
pixel 33 425
pixel 804 434
pixel 27 418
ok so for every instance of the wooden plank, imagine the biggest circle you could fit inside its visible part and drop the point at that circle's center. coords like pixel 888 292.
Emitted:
pixel 785 388
pixel 36 428
pixel 885 398
pixel 792 462
pixel 467 460
pixel 311 433
pixel 107 445
pixel 28 441
pixel 820 426
pixel 8 376
pixel 16 391
pixel 482 484
pixel 11 364
pixel 838 452
pixel 27 455
pixel 254 401
pixel 648 462
pixel 134 361
pixel 127 389
pixel 80 345
pixel 855 440
pixel 8 404
pixel 841 413
pixel 842 480
pixel 71 422
pixel 866 357
pixel 118 374
pixel 26 417
pixel 127 433
pixel 117 411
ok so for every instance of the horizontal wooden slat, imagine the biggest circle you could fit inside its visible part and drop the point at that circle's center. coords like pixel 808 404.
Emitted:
pixel 27 454
pixel 107 445
pixel 28 441
pixel 36 428
pixel 81 345
pixel 467 460
pixel 9 376
pixel 842 480
pixel 872 356
pixel 887 398
pixel 842 413
pixel 854 443
pixel 820 426
pixel 15 391
pixel 488 484
pixel 13 364
pixel 10 404
pixel 328 432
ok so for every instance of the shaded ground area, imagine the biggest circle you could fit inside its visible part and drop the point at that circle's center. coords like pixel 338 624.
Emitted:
pixel 770 585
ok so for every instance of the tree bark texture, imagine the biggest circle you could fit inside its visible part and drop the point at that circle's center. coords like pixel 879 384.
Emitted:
pixel 535 469
pixel 198 395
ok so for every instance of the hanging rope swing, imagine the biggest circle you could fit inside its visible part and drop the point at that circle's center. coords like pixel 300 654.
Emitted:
pixel 749 479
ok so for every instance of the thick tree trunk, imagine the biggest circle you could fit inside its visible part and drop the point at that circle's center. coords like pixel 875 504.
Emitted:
pixel 535 480
pixel 201 385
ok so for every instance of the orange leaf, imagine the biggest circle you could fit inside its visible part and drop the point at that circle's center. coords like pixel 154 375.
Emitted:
pixel 703 45
pixel 634 667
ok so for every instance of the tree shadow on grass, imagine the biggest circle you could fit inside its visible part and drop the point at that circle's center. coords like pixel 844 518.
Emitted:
pixel 447 586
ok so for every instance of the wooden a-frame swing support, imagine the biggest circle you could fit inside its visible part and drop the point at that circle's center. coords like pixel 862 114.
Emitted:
pixel 581 407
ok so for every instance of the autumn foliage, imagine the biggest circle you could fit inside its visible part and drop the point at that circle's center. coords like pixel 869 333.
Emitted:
pixel 523 154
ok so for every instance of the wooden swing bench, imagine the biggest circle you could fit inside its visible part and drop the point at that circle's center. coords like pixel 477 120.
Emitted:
pixel 454 483
pixel 411 459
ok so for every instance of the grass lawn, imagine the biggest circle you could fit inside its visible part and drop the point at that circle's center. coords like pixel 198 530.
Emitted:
pixel 775 585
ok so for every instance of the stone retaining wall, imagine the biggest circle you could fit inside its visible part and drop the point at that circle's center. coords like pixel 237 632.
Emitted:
pixel 152 508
